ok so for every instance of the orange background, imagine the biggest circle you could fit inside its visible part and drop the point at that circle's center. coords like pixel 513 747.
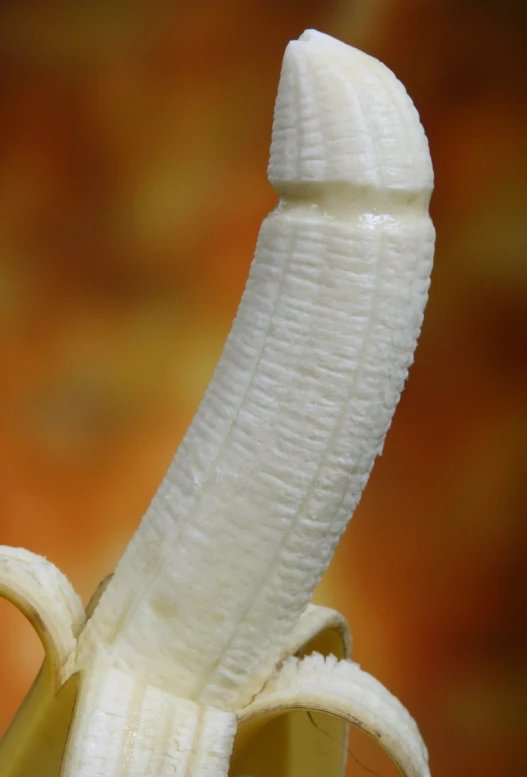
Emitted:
pixel 133 148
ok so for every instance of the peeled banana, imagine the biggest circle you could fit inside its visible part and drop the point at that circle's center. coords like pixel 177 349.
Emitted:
pixel 195 656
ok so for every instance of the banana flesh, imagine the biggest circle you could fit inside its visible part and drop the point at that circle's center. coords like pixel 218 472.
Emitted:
pixel 203 639
pixel 277 457
pixel 123 726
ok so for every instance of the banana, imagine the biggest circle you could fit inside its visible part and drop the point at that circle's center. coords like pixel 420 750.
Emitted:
pixel 197 652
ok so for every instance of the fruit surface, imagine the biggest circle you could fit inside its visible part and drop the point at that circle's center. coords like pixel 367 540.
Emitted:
pixel 204 639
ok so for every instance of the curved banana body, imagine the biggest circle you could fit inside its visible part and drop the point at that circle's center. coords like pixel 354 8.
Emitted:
pixel 191 635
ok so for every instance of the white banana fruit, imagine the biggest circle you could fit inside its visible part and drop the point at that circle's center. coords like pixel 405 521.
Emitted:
pixel 200 638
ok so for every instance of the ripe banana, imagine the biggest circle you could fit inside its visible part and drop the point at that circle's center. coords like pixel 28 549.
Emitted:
pixel 196 654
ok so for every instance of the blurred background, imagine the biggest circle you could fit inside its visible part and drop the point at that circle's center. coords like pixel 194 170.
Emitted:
pixel 133 149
